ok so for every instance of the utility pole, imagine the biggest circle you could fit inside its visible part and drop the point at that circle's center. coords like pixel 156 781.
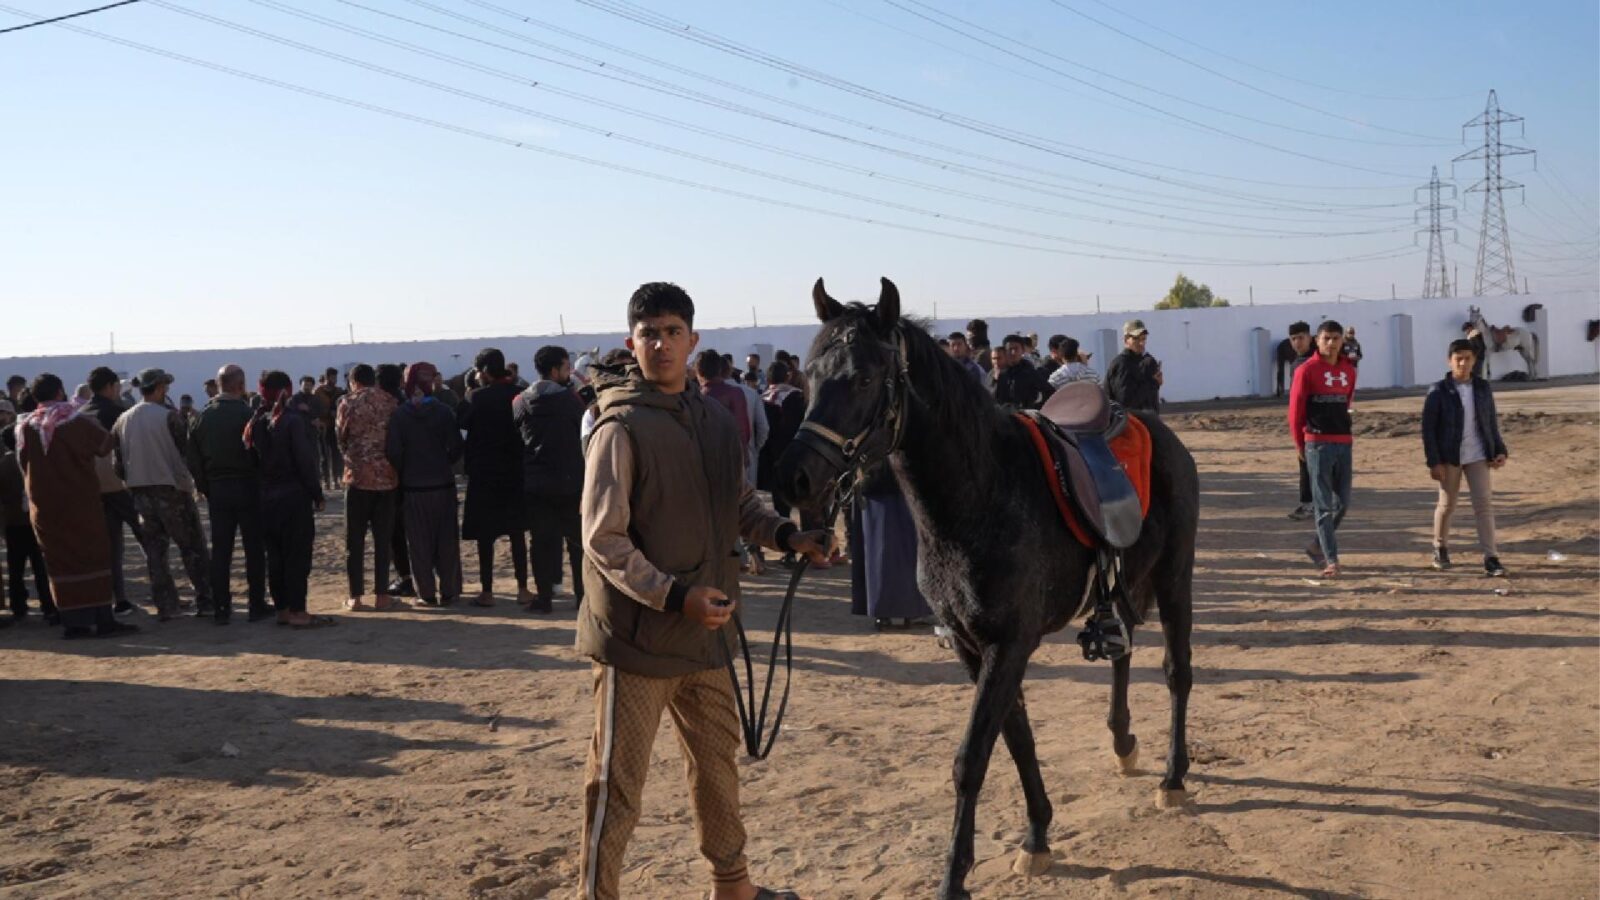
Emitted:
pixel 113 342
pixel 1097 303
pixel 563 321
pixel 1495 270
pixel 352 332
pixel 1435 282
pixel 1252 295
pixel 753 322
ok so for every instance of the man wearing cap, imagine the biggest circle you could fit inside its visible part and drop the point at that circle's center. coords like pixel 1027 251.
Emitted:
pixel 227 475
pixel 1134 377
pixel 150 443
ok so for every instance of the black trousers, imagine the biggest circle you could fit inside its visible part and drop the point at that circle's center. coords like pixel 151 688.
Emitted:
pixel 120 511
pixel 553 521
pixel 400 550
pixel 288 528
pixel 235 508
pixel 519 561
pixel 22 550
pixel 363 511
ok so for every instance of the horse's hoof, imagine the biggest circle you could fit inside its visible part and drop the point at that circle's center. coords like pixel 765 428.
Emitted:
pixel 1028 864
pixel 1128 765
pixel 1166 799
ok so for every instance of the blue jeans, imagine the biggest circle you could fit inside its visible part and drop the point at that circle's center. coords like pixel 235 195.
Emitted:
pixel 1330 468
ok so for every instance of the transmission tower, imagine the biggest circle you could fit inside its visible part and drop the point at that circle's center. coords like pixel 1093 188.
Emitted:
pixel 1495 270
pixel 1436 279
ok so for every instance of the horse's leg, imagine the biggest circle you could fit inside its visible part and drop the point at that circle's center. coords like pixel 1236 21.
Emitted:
pixel 999 681
pixel 1034 856
pixel 1177 621
pixel 1124 743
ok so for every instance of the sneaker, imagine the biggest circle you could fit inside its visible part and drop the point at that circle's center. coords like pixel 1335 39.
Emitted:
pixel 402 587
pixel 1492 567
pixel 1441 558
pixel 123 606
pixel 1301 512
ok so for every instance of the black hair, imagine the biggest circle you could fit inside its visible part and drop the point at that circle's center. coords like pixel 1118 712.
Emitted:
pixel 492 361
pixel 390 377
pixel 48 388
pixel 101 378
pixel 330 371
pixel 1462 345
pixel 778 373
pixel 1056 340
pixel 189 398
pixel 710 364
pixel 660 298
pixel 1299 328
pixel 548 358
pixel 750 378
pixel 1069 348
pixel 279 379
pixel 15 380
pixel 1330 327
pixel 1014 339
pixel 957 336
pixel 944 342
pixel 364 375
pixel 306 378
pixel 979 326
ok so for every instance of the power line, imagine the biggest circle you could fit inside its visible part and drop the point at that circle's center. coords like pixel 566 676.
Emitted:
pixel 1273 72
pixel 1495 270
pixel 51 21
pixel 1249 231
pixel 1438 142
pixel 714 41
pixel 1435 142
pixel 685 182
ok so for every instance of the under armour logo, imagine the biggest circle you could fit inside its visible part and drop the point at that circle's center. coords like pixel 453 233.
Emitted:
pixel 1340 378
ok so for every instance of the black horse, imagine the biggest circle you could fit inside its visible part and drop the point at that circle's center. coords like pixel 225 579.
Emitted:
pixel 994 558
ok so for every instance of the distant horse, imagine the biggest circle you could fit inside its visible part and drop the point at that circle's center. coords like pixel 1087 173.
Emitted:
pixel 1497 340
pixel 996 561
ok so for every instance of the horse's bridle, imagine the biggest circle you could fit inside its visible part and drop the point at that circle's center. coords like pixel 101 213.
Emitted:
pixel 849 454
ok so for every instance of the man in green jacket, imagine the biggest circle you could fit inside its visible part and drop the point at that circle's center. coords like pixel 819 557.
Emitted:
pixel 665 503
pixel 225 474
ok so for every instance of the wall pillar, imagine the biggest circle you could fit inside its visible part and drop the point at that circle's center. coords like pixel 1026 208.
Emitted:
pixel 1405 358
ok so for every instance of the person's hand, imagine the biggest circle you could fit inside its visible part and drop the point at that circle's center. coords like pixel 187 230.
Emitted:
pixel 320 504
pixel 814 544
pixel 1498 461
pixel 708 606
pixel 1302 454
pixel 1437 472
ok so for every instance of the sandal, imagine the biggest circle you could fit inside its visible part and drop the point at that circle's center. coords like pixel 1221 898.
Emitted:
pixel 1331 570
pixel 354 604
pixel 483 600
pixel 314 622
pixel 383 602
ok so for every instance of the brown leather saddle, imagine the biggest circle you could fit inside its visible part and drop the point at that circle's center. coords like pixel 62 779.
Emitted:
pixel 1078 423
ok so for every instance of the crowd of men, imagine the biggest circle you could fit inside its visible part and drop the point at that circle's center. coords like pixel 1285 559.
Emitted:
pixel 80 473
pixel 1020 378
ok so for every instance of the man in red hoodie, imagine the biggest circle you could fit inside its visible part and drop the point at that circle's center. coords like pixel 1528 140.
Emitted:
pixel 1319 420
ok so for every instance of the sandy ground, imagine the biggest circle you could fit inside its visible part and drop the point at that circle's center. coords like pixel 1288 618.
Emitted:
pixel 1401 733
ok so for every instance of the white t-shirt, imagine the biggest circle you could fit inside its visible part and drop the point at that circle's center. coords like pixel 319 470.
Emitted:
pixel 1472 449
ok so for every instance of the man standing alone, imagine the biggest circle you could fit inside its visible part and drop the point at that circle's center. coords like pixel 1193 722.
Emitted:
pixel 1319 420
pixel 150 441
pixel 1134 377
pixel 225 473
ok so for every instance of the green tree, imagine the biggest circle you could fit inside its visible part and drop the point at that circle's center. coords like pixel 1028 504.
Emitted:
pixel 1188 294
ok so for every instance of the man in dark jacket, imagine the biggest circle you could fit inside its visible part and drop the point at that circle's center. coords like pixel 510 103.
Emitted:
pixel 549 414
pixel 1134 377
pixel 494 474
pixel 664 502
pixel 105 404
pixel 225 473
pixel 423 446
pixel 1461 437
pixel 1018 384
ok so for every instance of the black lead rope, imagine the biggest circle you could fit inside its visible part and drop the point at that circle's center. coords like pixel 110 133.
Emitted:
pixel 754 729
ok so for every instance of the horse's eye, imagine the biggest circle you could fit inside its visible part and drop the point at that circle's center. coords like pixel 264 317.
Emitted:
pixel 863 380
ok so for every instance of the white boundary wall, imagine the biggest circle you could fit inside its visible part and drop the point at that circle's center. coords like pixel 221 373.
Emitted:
pixel 1205 353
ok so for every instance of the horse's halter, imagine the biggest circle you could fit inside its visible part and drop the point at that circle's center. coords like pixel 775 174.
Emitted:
pixel 851 455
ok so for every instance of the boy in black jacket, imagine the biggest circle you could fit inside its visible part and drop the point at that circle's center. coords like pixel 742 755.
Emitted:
pixel 1461 436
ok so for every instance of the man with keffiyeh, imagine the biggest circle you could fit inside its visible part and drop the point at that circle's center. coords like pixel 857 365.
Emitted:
pixel 57 446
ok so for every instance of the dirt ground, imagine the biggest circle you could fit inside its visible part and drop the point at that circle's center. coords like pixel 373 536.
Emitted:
pixel 1400 733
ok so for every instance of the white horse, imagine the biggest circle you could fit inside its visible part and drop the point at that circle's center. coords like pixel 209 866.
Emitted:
pixel 1522 340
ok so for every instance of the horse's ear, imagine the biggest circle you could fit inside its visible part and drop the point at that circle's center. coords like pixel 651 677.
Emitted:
pixel 828 308
pixel 888 305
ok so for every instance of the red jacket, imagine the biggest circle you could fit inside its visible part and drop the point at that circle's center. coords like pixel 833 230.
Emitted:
pixel 1319 402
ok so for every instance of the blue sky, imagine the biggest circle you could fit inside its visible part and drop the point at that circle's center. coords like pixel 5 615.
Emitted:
pixel 180 206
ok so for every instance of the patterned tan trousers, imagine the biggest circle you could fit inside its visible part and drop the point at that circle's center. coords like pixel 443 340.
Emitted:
pixel 627 716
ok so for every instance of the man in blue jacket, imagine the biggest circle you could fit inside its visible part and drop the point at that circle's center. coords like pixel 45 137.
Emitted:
pixel 1461 436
